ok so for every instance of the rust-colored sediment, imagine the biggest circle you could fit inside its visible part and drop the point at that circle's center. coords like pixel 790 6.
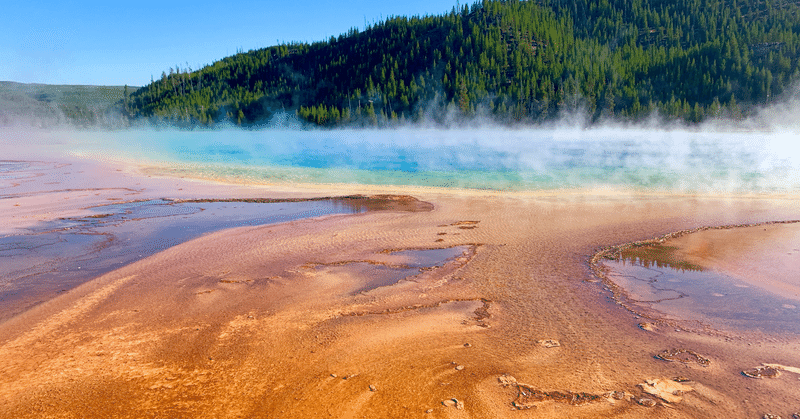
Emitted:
pixel 265 322
pixel 373 202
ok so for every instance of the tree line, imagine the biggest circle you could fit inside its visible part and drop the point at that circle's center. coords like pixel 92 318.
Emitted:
pixel 511 61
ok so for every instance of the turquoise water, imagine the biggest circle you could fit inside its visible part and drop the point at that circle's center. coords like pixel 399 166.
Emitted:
pixel 493 159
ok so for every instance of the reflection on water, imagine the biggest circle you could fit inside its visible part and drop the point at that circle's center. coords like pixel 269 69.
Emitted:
pixel 58 255
pixel 657 256
pixel 685 292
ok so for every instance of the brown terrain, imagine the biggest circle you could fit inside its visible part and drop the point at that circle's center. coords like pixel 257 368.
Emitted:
pixel 353 316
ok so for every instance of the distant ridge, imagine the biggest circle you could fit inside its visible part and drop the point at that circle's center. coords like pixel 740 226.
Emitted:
pixel 49 105
pixel 508 62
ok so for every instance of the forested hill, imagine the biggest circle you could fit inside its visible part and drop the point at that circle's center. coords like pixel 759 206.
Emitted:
pixel 508 60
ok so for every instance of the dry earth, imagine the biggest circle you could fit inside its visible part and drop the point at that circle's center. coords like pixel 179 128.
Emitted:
pixel 287 320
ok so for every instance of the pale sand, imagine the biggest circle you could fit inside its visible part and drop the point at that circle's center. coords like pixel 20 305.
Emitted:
pixel 263 322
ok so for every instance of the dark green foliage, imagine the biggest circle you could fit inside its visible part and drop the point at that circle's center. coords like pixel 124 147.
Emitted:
pixel 512 60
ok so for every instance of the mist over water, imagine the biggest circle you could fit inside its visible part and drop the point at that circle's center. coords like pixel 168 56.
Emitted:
pixel 482 158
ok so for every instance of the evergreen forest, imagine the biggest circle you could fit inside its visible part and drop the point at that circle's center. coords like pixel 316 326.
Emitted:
pixel 510 61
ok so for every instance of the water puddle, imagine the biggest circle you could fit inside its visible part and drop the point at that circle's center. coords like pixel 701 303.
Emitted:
pixel 394 266
pixel 12 170
pixel 56 256
pixel 376 276
pixel 655 278
pixel 427 258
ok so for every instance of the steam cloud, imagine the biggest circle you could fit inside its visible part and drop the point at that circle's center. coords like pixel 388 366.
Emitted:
pixel 758 155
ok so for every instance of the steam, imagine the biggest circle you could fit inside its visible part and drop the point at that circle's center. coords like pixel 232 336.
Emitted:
pixel 554 158
pixel 757 155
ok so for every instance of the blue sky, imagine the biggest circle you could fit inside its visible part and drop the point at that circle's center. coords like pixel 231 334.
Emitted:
pixel 116 43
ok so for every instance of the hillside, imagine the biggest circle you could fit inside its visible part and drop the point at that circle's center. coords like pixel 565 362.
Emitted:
pixel 512 61
pixel 45 105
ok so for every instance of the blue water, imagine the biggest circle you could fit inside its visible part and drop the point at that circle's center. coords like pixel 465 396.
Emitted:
pixel 494 159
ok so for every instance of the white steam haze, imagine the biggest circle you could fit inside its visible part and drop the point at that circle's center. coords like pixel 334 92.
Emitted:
pixel 757 155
